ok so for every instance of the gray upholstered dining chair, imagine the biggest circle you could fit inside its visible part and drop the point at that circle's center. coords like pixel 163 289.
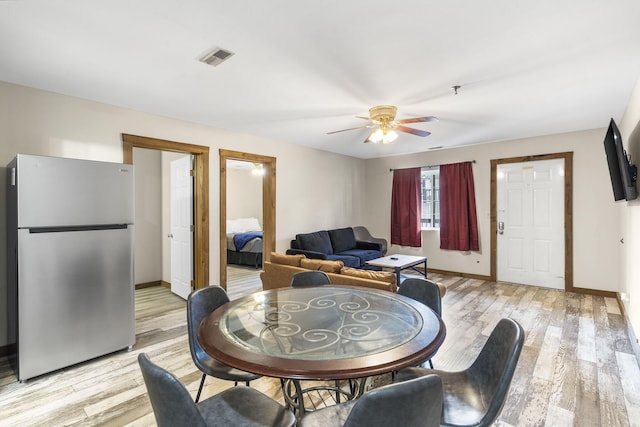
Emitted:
pixel 475 396
pixel 310 278
pixel 172 405
pixel 424 291
pixel 199 304
pixel 407 404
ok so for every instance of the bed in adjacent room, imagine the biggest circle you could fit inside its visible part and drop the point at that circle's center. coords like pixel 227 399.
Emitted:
pixel 244 242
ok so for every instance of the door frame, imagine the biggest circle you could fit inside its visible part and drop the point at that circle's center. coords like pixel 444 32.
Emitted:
pixel 268 205
pixel 200 195
pixel 568 212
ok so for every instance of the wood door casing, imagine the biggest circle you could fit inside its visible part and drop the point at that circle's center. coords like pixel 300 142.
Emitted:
pixel 200 195
pixel 568 211
pixel 268 205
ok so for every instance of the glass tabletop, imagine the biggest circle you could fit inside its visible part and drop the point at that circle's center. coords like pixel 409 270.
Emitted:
pixel 321 332
pixel 320 323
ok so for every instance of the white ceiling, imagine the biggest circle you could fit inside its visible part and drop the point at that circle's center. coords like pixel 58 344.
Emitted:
pixel 304 68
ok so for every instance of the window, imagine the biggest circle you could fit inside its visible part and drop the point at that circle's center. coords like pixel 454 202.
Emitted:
pixel 430 182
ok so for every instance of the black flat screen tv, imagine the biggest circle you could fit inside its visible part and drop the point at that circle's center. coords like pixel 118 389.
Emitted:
pixel 623 174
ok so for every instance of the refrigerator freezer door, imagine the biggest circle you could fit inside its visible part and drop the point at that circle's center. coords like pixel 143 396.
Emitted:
pixel 76 297
pixel 56 191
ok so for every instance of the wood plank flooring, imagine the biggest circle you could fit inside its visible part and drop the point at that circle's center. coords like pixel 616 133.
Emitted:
pixel 577 367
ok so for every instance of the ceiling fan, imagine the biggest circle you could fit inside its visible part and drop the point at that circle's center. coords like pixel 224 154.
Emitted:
pixel 383 119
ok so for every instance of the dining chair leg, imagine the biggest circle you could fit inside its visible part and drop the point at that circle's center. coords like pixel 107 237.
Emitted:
pixel 200 388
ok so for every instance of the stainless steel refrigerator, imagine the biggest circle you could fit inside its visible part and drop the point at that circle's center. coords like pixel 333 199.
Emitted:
pixel 70 261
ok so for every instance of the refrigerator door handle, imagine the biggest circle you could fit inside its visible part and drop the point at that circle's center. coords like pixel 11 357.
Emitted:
pixel 77 228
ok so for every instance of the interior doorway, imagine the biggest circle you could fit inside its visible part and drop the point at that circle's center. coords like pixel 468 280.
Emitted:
pixel 268 204
pixel 200 195
pixel 567 207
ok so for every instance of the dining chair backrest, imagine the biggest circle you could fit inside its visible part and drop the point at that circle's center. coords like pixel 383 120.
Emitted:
pixel 475 397
pixel 172 405
pixel 423 290
pixel 493 369
pixel 200 304
pixel 310 278
pixel 413 403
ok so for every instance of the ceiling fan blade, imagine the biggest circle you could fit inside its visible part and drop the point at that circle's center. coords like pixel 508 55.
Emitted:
pixel 413 131
pixel 418 120
pixel 362 117
pixel 345 130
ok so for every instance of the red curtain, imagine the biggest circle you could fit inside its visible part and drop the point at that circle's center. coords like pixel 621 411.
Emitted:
pixel 458 220
pixel 406 208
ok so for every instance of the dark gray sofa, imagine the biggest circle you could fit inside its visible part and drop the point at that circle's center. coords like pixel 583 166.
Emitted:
pixel 337 244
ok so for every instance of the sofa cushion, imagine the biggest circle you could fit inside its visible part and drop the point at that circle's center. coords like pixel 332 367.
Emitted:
pixel 293 260
pixel 318 241
pixel 382 276
pixel 322 265
pixel 342 239
pixel 348 260
pixel 363 254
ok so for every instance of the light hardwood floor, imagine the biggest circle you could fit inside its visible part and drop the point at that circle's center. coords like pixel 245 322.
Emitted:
pixel 577 367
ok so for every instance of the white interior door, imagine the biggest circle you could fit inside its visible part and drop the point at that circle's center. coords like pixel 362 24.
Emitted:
pixel 531 223
pixel 181 226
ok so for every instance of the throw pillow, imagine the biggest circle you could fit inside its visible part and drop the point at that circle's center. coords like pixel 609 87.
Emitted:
pixel 322 265
pixel 381 276
pixel 293 260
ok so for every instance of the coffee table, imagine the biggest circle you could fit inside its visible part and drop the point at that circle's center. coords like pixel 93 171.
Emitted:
pixel 399 263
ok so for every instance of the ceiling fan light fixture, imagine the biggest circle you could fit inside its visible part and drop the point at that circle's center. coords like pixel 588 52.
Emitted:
pixel 383 134
pixel 376 136
pixel 389 136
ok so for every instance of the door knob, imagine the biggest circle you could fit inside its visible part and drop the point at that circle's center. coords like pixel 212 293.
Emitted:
pixel 500 227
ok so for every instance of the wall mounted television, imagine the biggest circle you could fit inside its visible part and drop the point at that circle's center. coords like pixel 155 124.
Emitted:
pixel 623 174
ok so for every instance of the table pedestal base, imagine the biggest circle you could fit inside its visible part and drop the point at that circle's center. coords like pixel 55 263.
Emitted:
pixel 301 399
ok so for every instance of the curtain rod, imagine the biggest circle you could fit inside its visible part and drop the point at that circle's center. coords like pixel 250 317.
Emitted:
pixel 428 167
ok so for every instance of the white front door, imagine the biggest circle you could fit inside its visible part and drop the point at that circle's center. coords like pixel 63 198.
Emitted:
pixel 181 226
pixel 531 223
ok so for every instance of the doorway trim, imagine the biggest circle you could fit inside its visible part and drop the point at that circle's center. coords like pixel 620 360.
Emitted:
pixel 568 212
pixel 200 195
pixel 268 205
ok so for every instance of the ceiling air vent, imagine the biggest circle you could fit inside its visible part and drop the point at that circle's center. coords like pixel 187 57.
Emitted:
pixel 216 56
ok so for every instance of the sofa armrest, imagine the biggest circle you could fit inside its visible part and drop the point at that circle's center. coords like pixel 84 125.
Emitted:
pixel 369 245
pixel 308 254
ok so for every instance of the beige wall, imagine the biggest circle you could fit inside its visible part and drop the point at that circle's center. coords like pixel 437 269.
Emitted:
pixel 630 216
pixel 595 225
pixel 244 194
pixel 148 216
pixel 315 189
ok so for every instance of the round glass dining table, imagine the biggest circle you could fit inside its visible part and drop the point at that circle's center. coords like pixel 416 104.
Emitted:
pixel 322 332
